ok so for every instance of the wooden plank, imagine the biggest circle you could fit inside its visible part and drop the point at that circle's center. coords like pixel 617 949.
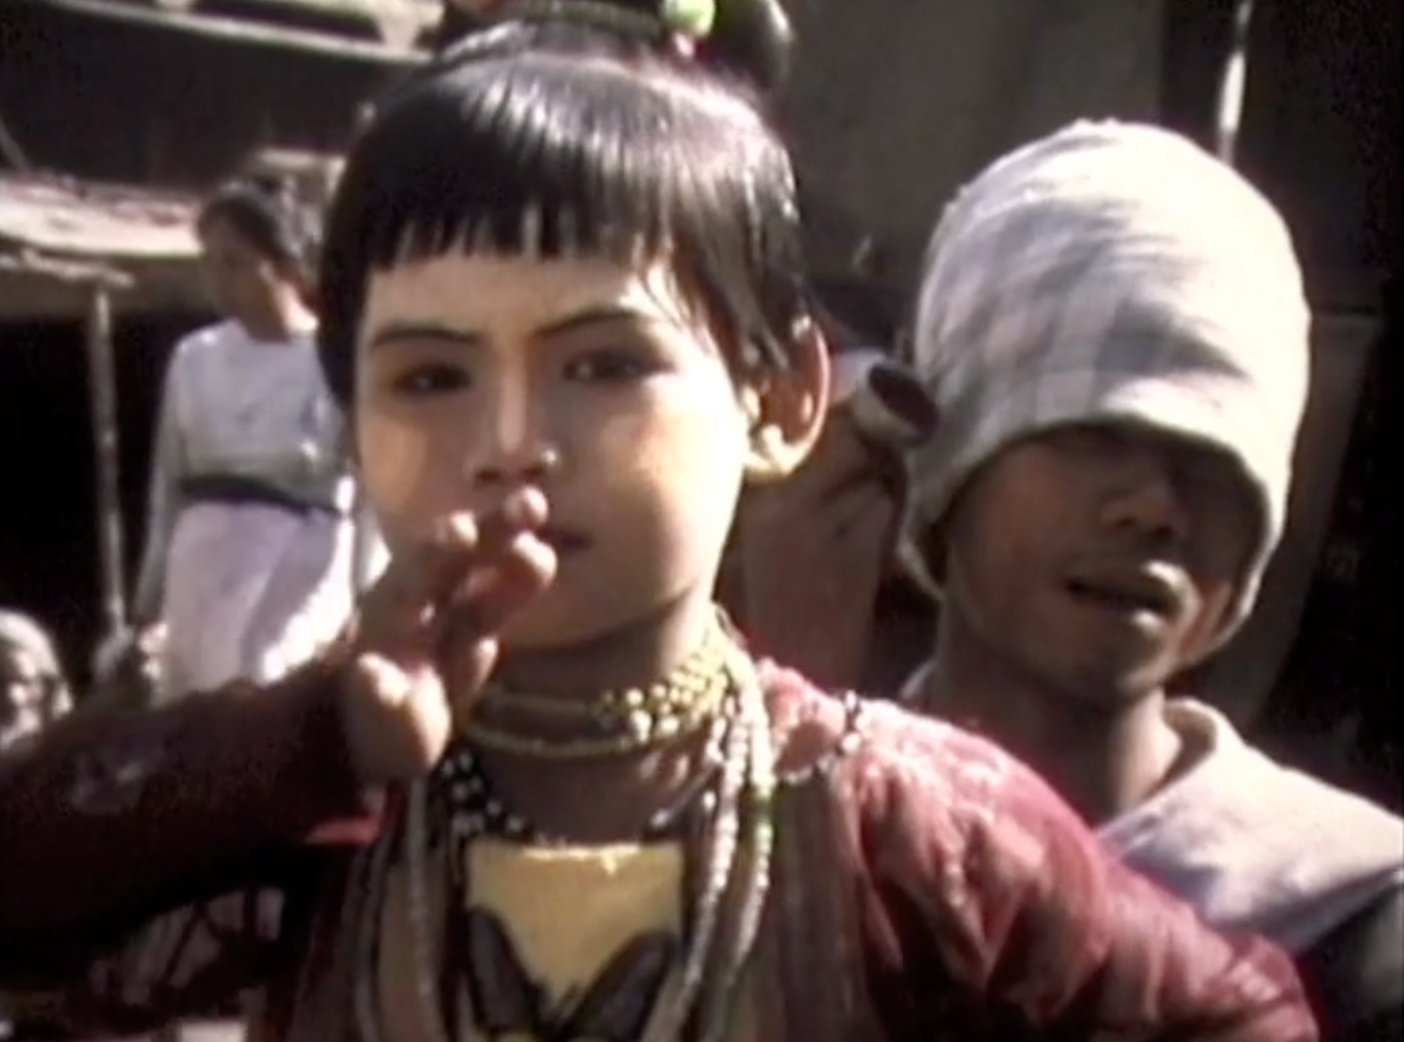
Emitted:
pixel 60 237
pixel 27 295
pixel 67 218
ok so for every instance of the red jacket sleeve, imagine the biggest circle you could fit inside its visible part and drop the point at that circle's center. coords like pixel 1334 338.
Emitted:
pixel 108 824
pixel 1032 922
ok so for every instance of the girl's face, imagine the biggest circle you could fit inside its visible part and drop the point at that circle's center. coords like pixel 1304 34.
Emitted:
pixel 593 379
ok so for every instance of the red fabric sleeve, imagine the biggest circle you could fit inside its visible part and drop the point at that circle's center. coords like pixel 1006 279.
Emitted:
pixel 1035 923
pixel 110 822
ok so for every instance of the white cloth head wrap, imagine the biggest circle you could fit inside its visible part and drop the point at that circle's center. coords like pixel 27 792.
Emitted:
pixel 1113 272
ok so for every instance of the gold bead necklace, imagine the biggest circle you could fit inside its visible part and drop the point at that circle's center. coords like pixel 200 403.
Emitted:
pixel 620 722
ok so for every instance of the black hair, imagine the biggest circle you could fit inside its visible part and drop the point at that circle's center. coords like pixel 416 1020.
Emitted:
pixel 600 142
pixel 266 214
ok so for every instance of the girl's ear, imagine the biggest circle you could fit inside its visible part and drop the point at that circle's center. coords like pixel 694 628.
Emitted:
pixel 787 407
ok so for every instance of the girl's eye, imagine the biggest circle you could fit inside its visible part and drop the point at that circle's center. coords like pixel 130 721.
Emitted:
pixel 609 367
pixel 431 379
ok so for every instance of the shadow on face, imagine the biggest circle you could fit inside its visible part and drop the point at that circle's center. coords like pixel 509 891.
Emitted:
pixel 1100 560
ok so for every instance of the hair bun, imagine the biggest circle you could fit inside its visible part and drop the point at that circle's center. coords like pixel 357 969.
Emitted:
pixel 753 38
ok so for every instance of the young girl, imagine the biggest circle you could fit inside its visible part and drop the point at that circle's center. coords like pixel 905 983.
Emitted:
pixel 563 299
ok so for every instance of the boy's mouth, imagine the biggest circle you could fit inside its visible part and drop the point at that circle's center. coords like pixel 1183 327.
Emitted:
pixel 1149 589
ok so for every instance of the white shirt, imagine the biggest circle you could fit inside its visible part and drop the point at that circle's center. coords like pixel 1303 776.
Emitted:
pixel 236 406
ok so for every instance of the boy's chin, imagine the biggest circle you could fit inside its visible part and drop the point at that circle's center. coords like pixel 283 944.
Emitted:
pixel 1115 687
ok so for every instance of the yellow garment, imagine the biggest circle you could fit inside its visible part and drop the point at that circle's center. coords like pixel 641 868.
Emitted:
pixel 569 910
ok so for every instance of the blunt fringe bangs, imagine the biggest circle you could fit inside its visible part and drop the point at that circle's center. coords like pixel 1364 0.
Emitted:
pixel 559 140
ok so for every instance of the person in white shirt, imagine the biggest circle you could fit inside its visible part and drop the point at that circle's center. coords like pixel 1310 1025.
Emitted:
pixel 248 566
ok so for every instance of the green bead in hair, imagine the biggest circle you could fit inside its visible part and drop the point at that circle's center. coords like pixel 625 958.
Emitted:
pixel 693 18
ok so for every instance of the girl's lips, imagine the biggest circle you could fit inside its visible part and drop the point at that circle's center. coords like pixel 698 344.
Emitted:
pixel 564 540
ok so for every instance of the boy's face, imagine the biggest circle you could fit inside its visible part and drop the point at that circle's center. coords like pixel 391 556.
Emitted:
pixel 589 378
pixel 1099 561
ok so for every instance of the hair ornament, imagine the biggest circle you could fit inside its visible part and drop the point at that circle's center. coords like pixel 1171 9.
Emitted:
pixel 690 19
pixel 751 37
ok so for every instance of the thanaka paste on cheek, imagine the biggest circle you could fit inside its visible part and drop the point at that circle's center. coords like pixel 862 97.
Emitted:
pixel 624 438
pixel 394 458
pixel 665 445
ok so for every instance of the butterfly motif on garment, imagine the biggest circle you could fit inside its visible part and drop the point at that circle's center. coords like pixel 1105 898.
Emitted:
pixel 508 1004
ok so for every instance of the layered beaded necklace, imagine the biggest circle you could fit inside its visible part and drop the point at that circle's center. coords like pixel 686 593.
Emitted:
pixel 615 723
pixel 716 689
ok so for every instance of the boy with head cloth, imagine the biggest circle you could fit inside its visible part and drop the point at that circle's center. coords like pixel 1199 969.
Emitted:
pixel 1114 330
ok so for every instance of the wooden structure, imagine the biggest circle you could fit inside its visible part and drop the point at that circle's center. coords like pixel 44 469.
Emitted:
pixel 81 252
pixel 177 93
pixel 169 97
pixel 60 236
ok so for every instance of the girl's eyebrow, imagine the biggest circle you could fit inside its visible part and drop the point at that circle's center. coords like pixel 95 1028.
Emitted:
pixel 392 332
pixel 592 316
pixel 395 331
